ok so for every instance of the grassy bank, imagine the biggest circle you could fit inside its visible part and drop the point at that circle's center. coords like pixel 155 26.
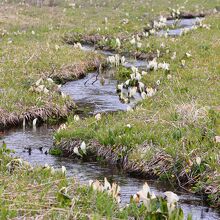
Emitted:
pixel 172 134
pixel 32 49
pixel 46 193
pixel 32 46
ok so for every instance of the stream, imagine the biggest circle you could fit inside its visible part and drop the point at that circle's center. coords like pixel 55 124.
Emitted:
pixel 97 96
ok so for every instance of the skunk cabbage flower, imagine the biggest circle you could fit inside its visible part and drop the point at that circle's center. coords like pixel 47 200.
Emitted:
pixel 107 185
pixel 171 197
pixel 63 169
pixel 118 42
pixel 76 118
pixel 132 91
pixel 76 151
pixel 153 64
pixel 83 147
pixel 143 95
pixel 133 41
pixel 98 117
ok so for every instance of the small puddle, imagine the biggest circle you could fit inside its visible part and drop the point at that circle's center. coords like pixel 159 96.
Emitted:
pixel 176 27
pixel 18 140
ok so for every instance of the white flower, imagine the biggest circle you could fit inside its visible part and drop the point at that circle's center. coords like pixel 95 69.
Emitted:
pixel 46 91
pixel 76 118
pixel 83 147
pixel 134 69
pixel 128 126
pixel 97 186
pixel 173 56
pixel 132 76
pixel 127 82
pixel 77 46
pixel 76 151
pixel 188 55
pixel 169 76
pixel 172 200
pixel 153 196
pixel 98 117
pixel 183 63
pixel 57 47
pixel 50 80
pixel 164 66
pixel 107 185
pixel 158 82
pixel 122 60
pixel 63 169
pixel 144 73
pixel 38 82
pixel 145 34
pixel 63 95
pixel 162 45
pixel 139 44
pixel 217 139
pixel 158 53
pixel 120 87
pixel 198 160
pixel 133 41
pixel 150 92
pixel 138 76
pixel 118 42
pixel 132 91
pixel 153 64
pixel 143 95
pixel 171 197
pixel 46 166
pixel 141 86
pixel 32 32
pixel 152 31
pixel 62 127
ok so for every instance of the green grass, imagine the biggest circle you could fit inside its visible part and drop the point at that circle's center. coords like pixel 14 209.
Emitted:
pixel 181 119
pixel 43 192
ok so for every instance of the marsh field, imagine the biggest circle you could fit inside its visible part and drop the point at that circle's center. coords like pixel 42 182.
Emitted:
pixel 110 109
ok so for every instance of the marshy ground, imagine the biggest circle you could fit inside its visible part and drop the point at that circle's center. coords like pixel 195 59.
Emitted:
pixel 172 135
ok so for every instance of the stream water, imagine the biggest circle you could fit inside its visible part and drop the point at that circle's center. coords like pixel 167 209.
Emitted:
pixel 98 97
pixel 179 26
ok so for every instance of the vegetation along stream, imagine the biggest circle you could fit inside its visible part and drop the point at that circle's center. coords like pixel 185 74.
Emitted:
pixel 97 93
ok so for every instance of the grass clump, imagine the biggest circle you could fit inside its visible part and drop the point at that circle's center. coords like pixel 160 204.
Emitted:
pixel 43 192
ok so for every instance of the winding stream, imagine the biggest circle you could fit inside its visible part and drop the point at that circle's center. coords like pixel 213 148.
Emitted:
pixel 179 26
pixel 98 97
